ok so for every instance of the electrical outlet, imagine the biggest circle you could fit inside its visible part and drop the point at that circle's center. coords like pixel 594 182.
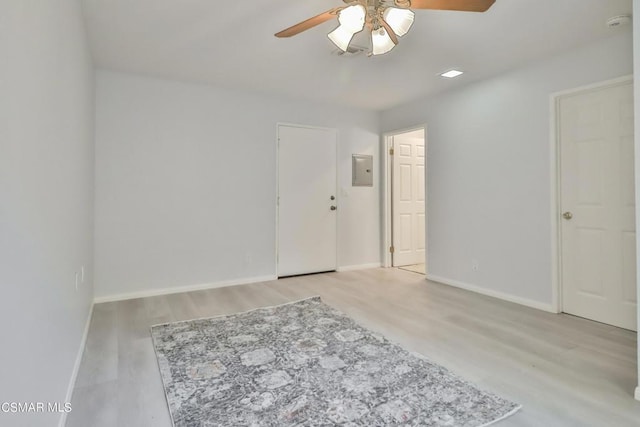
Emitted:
pixel 77 280
pixel 475 265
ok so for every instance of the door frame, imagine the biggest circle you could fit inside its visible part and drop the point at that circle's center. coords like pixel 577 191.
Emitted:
pixel 556 224
pixel 387 203
pixel 277 198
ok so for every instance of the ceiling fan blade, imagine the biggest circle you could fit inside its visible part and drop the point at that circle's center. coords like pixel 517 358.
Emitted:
pixel 460 5
pixel 392 34
pixel 309 23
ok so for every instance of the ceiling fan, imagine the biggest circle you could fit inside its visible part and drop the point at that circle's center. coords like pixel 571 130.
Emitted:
pixel 386 19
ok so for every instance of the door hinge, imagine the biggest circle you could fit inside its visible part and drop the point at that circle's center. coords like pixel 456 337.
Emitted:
pixel 392 249
pixel 391 151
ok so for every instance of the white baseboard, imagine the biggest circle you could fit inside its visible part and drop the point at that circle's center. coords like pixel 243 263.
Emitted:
pixel 76 366
pixel 495 294
pixel 180 289
pixel 637 394
pixel 358 267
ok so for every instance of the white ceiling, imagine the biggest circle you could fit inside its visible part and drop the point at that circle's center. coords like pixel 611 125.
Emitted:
pixel 231 44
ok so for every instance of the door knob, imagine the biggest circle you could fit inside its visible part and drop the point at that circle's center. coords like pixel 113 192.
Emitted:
pixel 333 197
pixel 333 208
pixel 567 215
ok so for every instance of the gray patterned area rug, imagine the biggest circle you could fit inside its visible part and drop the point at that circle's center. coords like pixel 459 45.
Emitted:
pixel 307 364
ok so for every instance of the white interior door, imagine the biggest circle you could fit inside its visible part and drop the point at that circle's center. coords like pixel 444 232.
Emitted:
pixel 597 204
pixel 307 215
pixel 408 199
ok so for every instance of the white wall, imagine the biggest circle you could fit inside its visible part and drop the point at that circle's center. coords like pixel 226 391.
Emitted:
pixel 46 200
pixel 186 183
pixel 489 186
pixel 636 77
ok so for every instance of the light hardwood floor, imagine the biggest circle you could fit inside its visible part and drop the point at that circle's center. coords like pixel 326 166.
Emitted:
pixel 416 268
pixel 564 370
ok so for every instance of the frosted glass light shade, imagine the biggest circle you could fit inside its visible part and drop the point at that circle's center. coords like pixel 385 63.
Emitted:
pixel 352 18
pixel 351 21
pixel 400 20
pixel 381 42
pixel 341 37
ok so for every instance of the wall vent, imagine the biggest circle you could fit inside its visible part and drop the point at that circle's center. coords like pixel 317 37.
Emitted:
pixel 619 21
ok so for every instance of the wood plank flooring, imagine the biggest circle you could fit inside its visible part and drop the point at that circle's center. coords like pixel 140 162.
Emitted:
pixel 564 370
pixel 416 268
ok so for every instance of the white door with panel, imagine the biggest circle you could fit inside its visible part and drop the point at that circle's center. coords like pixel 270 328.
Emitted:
pixel 597 203
pixel 307 205
pixel 408 199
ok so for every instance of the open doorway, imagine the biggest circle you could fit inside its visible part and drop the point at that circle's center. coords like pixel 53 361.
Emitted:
pixel 405 200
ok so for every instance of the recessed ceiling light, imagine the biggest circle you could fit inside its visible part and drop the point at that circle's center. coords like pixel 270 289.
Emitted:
pixel 452 73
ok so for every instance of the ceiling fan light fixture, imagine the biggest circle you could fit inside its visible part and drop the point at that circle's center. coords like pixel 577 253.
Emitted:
pixel 381 42
pixel 341 37
pixel 352 18
pixel 386 20
pixel 400 20
pixel 351 21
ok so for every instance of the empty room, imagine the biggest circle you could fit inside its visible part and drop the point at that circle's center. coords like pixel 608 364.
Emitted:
pixel 317 213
